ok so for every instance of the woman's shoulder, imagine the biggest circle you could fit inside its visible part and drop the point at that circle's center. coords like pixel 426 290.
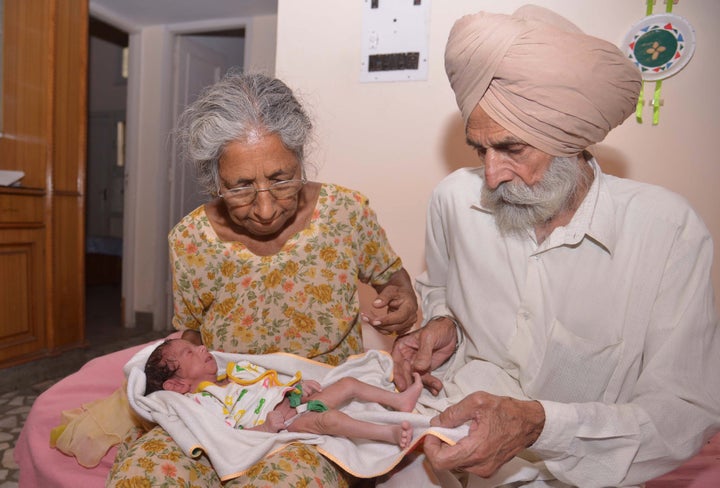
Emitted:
pixel 335 193
pixel 192 223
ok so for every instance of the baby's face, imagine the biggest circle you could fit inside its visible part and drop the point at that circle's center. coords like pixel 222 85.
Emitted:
pixel 195 363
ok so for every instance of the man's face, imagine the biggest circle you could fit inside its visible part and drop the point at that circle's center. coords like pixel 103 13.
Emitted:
pixel 524 186
pixel 506 158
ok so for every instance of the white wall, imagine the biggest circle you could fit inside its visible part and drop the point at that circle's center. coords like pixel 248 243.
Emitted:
pixel 261 38
pixel 148 125
pixel 395 141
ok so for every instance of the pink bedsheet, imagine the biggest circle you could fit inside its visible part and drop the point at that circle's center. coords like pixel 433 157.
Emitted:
pixel 39 464
pixel 42 466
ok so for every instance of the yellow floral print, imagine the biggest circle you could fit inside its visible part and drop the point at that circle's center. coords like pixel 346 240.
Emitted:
pixel 303 299
pixel 227 269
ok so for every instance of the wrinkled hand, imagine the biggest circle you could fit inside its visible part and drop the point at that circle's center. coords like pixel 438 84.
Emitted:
pixel 309 388
pixel 422 351
pixel 499 428
pixel 398 301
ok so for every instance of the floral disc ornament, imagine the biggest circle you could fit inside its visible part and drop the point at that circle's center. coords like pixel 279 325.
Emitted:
pixel 660 45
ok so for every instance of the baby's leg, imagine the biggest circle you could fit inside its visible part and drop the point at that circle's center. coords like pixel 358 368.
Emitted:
pixel 347 389
pixel 336 423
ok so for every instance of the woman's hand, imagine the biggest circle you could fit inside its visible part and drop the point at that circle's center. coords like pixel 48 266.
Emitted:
pixel 500 427
pixel 422 351
pixel 398 299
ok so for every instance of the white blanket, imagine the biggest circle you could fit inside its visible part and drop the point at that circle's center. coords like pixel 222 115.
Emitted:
pixel 234 451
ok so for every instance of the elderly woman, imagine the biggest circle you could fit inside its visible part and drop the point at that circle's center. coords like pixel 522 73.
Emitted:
pixel 272 263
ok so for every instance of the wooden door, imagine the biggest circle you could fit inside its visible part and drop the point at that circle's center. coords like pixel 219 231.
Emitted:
pixel 196 66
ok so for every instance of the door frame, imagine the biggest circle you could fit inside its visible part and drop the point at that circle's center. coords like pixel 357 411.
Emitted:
pixel 147 162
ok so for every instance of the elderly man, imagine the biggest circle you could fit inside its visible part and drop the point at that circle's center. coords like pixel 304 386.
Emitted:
pixel 571 316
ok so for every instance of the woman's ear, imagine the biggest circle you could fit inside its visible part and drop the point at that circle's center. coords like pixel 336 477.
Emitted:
pixel 178 385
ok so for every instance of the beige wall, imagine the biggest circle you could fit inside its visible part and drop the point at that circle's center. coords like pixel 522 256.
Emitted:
pixel 395 141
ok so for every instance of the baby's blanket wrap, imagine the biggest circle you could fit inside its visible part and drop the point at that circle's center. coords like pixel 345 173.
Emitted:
pixel 234 451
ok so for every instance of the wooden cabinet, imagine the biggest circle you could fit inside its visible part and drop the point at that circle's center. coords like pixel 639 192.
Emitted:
pixel 43 133
pixel 22 287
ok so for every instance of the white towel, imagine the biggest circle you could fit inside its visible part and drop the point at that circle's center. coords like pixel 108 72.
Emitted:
pixel 234 451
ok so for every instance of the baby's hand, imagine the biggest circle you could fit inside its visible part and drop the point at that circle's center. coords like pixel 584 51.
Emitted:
pixel 274 422
pixel 310 387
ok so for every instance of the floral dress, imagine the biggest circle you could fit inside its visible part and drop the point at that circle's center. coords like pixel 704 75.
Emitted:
pixel 303 300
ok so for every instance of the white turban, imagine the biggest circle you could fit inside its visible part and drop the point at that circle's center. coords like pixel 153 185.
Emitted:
pixel 541 78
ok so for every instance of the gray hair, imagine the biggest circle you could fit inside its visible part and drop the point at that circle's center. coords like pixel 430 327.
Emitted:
pixel 240 107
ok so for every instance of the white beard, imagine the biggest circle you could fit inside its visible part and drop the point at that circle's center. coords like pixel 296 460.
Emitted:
pixel 518 207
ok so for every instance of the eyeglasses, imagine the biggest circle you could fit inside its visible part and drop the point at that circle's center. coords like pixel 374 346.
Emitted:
pixel 245 195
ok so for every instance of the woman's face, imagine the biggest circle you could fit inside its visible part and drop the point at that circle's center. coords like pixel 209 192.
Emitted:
pixel 259 163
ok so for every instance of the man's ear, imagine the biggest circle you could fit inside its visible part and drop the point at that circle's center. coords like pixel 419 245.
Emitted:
pixel 176 384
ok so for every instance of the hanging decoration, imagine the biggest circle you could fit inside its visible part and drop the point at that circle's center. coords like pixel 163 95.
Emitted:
pixel 660 45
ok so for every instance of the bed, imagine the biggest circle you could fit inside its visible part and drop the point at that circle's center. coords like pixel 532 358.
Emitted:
pixel 40 465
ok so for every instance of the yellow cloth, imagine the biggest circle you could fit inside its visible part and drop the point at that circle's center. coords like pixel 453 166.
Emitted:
pixel 541 78
pixel 89 431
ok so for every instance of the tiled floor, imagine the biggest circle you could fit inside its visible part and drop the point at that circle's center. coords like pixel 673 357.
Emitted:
pixel 21 385
pixel 14 407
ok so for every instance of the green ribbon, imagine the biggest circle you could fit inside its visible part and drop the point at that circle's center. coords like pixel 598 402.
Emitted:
pixel 295 396
pixel 640 103
pixel 656 101
pixel 316 406
pixel 658 84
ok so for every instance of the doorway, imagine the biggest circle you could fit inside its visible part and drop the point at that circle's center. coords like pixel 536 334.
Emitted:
pixel 169 202
pixel 200 59
pixel 107 100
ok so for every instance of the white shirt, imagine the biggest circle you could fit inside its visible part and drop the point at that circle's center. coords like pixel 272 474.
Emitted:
pixel 609 323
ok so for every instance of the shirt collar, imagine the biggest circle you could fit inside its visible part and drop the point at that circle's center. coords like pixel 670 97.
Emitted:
pixel 594 217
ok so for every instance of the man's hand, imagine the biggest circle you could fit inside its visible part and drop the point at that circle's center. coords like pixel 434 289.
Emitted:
pixel 500 427
pixel 398 301
pixel 422 351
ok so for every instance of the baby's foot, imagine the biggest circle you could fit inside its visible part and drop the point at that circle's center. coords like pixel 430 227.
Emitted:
pixel 407 399
pixel 403 434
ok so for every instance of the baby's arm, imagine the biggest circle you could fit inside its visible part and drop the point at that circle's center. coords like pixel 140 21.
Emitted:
pixel 310 387
pixel 274 423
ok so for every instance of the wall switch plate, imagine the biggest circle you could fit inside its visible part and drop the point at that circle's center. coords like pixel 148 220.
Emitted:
pixel 394 43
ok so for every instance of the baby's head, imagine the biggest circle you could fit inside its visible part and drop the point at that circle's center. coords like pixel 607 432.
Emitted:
pixel 179 365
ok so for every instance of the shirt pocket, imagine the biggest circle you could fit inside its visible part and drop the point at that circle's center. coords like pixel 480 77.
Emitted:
pixel 573 368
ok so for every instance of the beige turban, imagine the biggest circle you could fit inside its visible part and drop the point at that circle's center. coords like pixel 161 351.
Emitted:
pixel 537 75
